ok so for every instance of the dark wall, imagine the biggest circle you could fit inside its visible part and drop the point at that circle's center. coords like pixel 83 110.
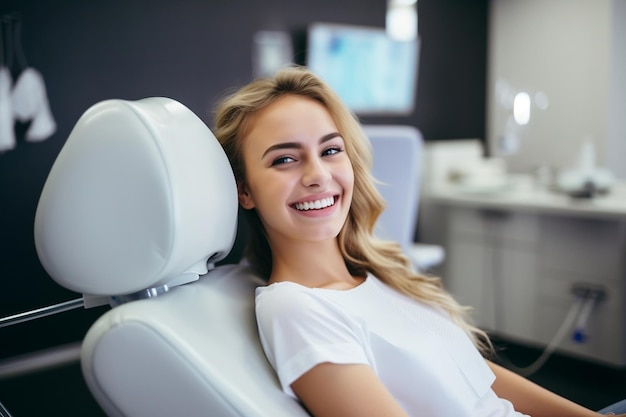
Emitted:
pixel 453 75
pixel 192 51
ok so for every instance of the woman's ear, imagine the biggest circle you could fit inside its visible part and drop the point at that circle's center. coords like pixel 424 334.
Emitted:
pixel 245 199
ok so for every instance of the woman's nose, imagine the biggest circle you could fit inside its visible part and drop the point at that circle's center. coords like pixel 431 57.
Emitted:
pixel 316 173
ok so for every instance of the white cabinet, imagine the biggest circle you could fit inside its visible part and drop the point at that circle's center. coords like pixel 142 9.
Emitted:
pixel 517 269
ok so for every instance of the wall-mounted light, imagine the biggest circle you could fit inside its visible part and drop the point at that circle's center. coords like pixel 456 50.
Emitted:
pixel 521 108
pixel 401 19
pixel 516 106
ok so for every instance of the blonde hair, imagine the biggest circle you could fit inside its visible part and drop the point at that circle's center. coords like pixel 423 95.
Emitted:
pixel 362 251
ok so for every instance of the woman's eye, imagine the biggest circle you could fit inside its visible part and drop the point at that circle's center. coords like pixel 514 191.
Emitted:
pixel 332 151
pixel 282 160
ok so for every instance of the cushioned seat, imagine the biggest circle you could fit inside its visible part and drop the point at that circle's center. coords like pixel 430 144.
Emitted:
pixel 138 207
pixel 397 165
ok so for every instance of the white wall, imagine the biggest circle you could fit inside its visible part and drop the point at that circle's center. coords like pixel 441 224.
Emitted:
pixel 570 51
pixel 616 134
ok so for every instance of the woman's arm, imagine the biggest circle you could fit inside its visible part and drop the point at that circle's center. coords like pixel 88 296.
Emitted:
pixel 333 390
pixel 530 398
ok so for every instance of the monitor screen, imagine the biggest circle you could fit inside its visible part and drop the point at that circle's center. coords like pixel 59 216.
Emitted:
pixel 372 73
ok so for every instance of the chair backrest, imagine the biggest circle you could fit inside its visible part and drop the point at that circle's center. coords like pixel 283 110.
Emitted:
pixel 397 154
pixel 138 206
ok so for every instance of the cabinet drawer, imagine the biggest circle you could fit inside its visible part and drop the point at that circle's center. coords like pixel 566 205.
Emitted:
pixel 558 284
pixel 588 246
pixel 502 225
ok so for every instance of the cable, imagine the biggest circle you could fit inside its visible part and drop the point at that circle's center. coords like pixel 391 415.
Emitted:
pixel 4 412
pixel 580 330
pixel 572 314
pixel 40 361
pixel 41 312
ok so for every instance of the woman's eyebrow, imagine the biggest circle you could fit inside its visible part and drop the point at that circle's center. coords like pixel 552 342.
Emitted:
pixel 329 136
pixel 284 145
pixel 296 145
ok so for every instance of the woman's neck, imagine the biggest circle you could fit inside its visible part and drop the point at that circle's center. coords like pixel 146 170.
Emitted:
pixel 312 264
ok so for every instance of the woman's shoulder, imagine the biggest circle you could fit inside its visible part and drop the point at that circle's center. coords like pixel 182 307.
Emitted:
pixel 281 289
pixel 291 291
pixel 284 296
pixel 290 299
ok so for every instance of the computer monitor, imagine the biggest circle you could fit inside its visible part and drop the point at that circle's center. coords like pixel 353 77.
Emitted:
pixel 372 73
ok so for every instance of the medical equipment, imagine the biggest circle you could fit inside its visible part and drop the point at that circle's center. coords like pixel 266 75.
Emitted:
pixel 586 297
pixel 138 207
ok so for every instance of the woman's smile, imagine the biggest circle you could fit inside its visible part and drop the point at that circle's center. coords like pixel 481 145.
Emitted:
pixel 320 204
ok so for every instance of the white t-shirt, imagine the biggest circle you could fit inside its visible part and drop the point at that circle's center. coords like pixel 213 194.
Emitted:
pixel 427 362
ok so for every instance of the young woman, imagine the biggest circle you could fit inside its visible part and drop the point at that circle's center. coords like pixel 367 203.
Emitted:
pixel 349 327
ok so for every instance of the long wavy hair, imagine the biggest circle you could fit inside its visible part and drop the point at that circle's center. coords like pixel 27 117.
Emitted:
pixel 362 251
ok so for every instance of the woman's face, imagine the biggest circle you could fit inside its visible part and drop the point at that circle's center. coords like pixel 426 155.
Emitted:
pixel 298 175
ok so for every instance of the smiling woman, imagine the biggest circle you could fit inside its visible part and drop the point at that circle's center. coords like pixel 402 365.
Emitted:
pixel 302 165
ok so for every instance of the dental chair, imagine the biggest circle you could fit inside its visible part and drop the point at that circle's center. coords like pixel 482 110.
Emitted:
pixel 138 207
pixel 398 154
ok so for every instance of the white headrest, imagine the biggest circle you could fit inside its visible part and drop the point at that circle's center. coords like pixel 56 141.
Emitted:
pixel 141 195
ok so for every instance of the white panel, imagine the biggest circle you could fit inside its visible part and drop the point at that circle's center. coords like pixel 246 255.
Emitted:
pixel 559 49
pixel 616 136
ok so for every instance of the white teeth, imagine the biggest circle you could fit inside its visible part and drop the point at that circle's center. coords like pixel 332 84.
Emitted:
pixel 315 205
